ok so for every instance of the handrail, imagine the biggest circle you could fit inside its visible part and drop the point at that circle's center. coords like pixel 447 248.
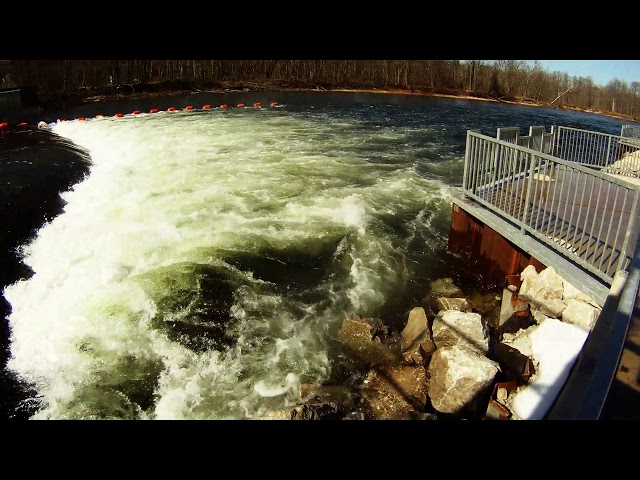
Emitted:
pixel 585 214
pixel 611 153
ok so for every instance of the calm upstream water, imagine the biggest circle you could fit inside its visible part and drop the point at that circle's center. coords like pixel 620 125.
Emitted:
pixel 198 264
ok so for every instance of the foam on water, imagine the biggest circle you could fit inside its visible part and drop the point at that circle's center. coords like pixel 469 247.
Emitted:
pixel 198 269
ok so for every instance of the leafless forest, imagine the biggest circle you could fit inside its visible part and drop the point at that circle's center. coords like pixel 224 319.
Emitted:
pixel 510 80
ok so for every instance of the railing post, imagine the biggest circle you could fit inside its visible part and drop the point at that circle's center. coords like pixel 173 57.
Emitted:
pixel 631 226
pixel 606 160
pixel 554 133
pixel 528 196
pixel 467 154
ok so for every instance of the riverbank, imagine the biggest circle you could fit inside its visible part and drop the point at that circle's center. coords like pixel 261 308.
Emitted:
pixel 156 89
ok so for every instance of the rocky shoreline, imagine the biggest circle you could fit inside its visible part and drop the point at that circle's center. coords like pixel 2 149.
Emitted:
pixel 456 358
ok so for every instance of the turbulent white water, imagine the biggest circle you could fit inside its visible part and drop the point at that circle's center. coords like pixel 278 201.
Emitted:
pixel 200 268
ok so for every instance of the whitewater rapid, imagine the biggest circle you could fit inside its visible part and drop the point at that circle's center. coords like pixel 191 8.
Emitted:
pixel 201 268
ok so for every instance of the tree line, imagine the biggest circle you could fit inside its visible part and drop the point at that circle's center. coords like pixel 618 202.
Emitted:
pixel 500 79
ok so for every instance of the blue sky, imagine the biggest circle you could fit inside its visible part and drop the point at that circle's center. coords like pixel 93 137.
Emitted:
pixel 601 71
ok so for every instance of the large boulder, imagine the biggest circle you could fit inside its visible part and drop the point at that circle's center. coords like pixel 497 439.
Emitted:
pixel 539 289
pixel 365 337
pixel 441 288
pixel 415 340
pixel 458 377
pixel 552 307
pixel 572 293
pixel 395 392
pixel 314 394
pixel 324 411
pixel 460 304
pixel 461 328
pixel 444 287
pixel 581 314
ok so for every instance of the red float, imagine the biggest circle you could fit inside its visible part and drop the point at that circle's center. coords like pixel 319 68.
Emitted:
pixel 274 104
pixel 116 115
pixel 4 125
pixel 240 105
pixel 81 119
pixel 22 125
pixel 189 107
pixel 257 104
pixel 207 107
pixel 99 116
pixel 136 112
pixel 153 110
pixel 224 105
pixel 171 109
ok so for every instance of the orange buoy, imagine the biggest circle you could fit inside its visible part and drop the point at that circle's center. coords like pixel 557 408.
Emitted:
pixel 153 110
pixel 274 104
pixel 171 109
pixel 224 105
pixel 188 107
pixel 257 104
pixel 22 124
pixel 116 115
pixel 82 119
pixel 136 112
pixel 240 105
pixel 207 107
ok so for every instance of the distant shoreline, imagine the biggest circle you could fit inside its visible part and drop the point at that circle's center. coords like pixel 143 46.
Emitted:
pixel 83 99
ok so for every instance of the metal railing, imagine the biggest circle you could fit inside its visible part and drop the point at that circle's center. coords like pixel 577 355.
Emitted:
pixel 587 215
pixel 537 139
pixel 630 131
pixel 610 153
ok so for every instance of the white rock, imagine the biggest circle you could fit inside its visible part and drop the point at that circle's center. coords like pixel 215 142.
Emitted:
pixel 528 275
pixel 555 347
pixel 581 314
pixel 466 329
pixel 457 377
pixel 572 293
pixel 545 286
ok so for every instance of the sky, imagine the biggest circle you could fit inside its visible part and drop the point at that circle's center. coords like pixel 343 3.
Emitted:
pixel 601 71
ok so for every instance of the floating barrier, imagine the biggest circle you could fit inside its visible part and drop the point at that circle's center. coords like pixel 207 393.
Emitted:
pixel 4 125
pixel 22 125
pixel 224 106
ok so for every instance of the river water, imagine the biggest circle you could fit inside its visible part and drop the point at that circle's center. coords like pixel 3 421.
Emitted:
pixel 198 264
